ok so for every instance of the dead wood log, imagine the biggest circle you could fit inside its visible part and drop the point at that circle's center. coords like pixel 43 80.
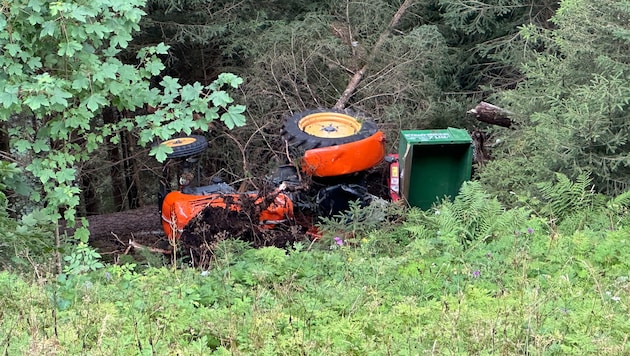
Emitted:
pixel 358 75
pixel 492 114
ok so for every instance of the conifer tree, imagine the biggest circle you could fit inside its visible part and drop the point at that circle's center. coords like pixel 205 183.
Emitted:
pixel 573 107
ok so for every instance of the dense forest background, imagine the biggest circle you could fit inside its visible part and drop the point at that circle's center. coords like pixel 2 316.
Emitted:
pixel 560 72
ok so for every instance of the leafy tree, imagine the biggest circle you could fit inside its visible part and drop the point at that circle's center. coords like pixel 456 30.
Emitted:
pixel 60 67
pixel 573 107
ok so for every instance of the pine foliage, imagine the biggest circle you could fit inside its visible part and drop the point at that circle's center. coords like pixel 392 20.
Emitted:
pixel 572 110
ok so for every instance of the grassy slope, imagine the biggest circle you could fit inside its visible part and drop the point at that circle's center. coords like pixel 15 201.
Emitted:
pixel 388 293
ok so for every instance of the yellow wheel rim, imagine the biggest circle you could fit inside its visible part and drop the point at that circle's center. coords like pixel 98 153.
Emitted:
pixel 182 141
pixel 329 125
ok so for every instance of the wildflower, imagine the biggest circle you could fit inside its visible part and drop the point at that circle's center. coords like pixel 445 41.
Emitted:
pixel 530 230
pixel 204 273
pixel 613 297
pixel 338 241
pixel 476 273
pixel 364 240
pixel 108 276
pixel 349 259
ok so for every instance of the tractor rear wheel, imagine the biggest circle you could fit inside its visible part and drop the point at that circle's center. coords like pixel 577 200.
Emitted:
pixel 186 146
pixel 324 128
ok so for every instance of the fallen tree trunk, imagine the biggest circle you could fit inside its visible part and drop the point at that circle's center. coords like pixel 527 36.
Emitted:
pixel 492 114
pixel 113 233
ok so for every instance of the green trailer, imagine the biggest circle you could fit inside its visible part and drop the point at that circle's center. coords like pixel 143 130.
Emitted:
pixel 434 164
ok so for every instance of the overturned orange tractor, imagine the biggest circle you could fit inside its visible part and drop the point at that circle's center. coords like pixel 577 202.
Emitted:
pixel 332 148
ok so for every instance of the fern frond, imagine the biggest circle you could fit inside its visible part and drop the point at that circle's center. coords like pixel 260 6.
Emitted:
pixel 622 199
pixel 564 197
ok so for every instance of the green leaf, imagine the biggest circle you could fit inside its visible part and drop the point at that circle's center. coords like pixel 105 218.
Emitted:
pixel 44 175
pixel 189 93
pixel 40 146
pixel 66 175
pixel 68 49
pixel 160 152
pixel 116 88
pixel 107 71
pixel 161 48
pixel 37 101
pixel 22 145
pixel 9 97
pixel 120 40
pixel 231 79
pixel 221 98
pixel 234 116
pixel 34 63
pixel 48 29
pixel 59 96
pixel 13 49
pixel 154 67
pixel 170 84
pixel 95 101
pixel 81 82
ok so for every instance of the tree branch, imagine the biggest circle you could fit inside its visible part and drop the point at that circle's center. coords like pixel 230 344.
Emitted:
pixel 358 75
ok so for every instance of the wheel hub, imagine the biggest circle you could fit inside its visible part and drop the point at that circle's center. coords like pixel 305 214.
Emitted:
pixel 330 128
pixel 329 125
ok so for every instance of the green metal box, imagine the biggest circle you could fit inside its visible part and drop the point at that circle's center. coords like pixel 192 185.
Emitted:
pixel 433 164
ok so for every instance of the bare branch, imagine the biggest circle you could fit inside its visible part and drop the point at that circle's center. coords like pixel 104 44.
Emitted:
pixel 358 75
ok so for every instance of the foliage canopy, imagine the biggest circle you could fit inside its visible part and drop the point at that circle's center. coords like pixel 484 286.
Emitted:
pixel 60 67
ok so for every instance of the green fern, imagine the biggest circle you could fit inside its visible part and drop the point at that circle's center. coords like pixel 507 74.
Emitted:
pixel 576 206
pixel 620 202
pixel 564 197
pixel 473 215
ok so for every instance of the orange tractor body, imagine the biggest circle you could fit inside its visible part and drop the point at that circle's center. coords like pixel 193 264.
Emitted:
pixel 178 209
pixel 343 159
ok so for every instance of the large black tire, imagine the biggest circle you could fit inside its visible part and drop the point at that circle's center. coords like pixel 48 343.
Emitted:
pixel 186 146
pixel 323 128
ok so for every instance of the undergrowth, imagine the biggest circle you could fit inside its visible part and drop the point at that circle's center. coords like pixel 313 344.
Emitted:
pixel 466 277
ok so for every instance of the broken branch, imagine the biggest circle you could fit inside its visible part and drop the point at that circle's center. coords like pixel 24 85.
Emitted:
pixel 492 114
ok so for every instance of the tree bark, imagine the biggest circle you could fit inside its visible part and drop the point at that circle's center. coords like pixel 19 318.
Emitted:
pixel 492 114
pixel 4 138
pixel 358 75
pixel 117 169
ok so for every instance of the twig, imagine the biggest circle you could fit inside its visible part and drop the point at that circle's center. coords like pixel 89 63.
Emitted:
pixel 152 249
pixel 286 152
pixel 5 156
pixel 244 157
